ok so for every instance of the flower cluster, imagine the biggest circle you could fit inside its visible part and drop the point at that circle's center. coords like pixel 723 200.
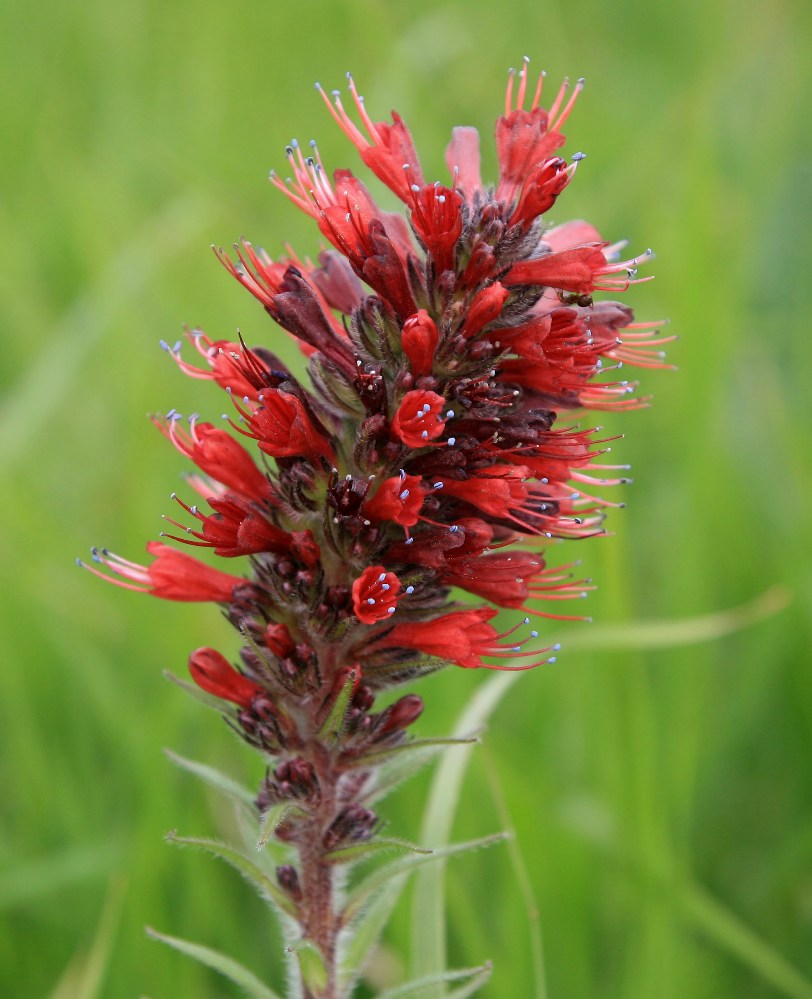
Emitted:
pixel 430 451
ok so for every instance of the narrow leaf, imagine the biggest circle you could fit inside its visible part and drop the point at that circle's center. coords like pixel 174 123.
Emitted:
pixel 227 966
pixel 265 886
pixel 386 875
pixel 214 778
pixel 420 986
pixel 374 902
pixel 359 851
pixel 415 746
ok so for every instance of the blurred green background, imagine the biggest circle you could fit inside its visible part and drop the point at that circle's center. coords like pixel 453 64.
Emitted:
pixel 662 796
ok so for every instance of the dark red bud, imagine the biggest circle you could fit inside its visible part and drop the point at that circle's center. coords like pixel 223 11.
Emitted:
pixel 401 714
pixel 278 639
pixel 288 879
pixel 420 338
pixel 353 824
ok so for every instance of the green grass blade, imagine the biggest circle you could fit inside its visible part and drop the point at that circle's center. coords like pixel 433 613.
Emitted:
pixel 225 965
pixel 428 946
pixel 671 634
pixel 730 933
pixel 84 976
pixel 522 879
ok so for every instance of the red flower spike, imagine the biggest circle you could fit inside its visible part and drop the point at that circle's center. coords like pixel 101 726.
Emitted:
pixel 214 674
pixel 398 499
pixel 418 421
pixel 216 453
pixel 283 429
pixel 419 341
pixel 375 594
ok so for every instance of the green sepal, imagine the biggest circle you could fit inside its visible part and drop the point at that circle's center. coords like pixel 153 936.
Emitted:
pixel 311 966
pixel 360 851
pixel 264 885
pixel 332 384
pixel 390 674
pixel 272 819
pixel 333 724
pixel 216 779
pixel 227 966
pixel 414 989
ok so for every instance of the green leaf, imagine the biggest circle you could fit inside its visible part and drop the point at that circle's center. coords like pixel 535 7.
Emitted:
pixel 227 966
pixel 311 965
pixel 371 904
pixel 359 851
pixel 389 876
pixel 421 986
pixel 265 886
pixel 215 778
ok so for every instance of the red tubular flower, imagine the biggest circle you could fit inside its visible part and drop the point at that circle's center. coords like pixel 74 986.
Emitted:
pixel 526 138
pixel 417 421
pixel 463 637
pixel 389 152
pixel 486 306
pixel 283 429
pixel 575 270
pixel 216 453
pixel 495 489
pixel 541 188
pixel 398 499
pixel 214 674
pixel 437 220
pixel 172 576
pixel 237 527
pixel 419 341
pixel 375 594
